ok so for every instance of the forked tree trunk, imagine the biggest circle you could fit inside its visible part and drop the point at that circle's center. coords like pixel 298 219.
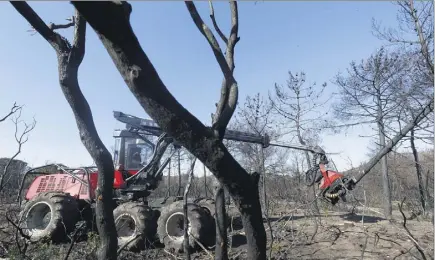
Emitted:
pixel 69 58
pixel 103 160
pixel 111 22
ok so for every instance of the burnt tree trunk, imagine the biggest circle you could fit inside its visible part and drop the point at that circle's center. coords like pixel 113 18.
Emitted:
pixel 69 59
pixel 169 177
pixel 179 172
pixel 205 181
pixel 418 171
pixel 221 251
pixel 111 22
pixel 103 160
pixel 388 208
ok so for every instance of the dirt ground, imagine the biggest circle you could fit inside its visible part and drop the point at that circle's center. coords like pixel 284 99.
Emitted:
pixel 337 235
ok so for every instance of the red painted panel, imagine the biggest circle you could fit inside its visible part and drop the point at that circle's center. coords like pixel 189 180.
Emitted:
pixel 328 177
pixel 65 183
pixel 55 182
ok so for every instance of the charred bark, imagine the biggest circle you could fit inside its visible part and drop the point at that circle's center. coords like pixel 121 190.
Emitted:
pixel 228 100
pixel 112 25
pixel 221 251
pixel 69 59
pixel 418 170
pixel 205 180
pixel 179 172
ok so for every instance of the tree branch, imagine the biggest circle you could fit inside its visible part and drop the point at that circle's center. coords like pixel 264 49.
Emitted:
pixel 424 46
pixel 402 133
pixel 216 26
pixel 419 248
pixel 78 50
pixel 54 26
pixel 229 90
pixel 21 139
pixel 211 39
pixel 56 41
pixel 13 110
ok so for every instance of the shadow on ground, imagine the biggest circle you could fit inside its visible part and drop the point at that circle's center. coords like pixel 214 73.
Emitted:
pixel 238 240
pixel 359 218
pixel 285 218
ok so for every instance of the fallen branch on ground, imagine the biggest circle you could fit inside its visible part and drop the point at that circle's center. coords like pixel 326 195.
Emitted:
pixel 417 245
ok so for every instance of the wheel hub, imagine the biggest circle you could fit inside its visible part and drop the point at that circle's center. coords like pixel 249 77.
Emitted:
pixel 175 226
pixel 125 226
pixel 38 218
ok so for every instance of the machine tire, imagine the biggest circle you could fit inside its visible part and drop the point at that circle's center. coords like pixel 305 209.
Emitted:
pixel 208 204
pixel 64 215
pixel 143 219
pixel 201 224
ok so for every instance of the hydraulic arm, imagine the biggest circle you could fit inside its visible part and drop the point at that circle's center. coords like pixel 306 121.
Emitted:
pixel 151 127
pixel 333 185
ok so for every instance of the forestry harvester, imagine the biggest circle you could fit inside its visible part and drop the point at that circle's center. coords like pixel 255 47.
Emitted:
pixel 54 203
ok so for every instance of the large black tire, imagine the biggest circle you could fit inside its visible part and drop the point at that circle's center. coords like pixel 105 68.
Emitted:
pixel 208 204
pixel 135 224
pixel 171 223
pixel 63 211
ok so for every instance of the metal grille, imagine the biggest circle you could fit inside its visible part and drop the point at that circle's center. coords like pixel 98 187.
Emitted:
pixel 42 185
pixel 83 190
pixel 51 183
pixel 61 184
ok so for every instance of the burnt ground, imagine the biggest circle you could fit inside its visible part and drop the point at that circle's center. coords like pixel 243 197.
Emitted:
pixel 339 235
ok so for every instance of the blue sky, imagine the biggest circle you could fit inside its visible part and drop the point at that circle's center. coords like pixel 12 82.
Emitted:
pixel 320 38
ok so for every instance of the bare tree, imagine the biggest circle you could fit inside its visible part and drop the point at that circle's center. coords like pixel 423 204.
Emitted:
pixel 111 21
pixel 10 167
pixel 299 104
pixel 255 116
pixel 227 103
pixel 302 105
pixel 14 109
pixel 414 35
pixel 21 137
pixel 70 57
pixel 409 99
pixel 366 96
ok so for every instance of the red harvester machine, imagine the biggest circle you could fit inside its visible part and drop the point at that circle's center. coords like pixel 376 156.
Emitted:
pixel 54 203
